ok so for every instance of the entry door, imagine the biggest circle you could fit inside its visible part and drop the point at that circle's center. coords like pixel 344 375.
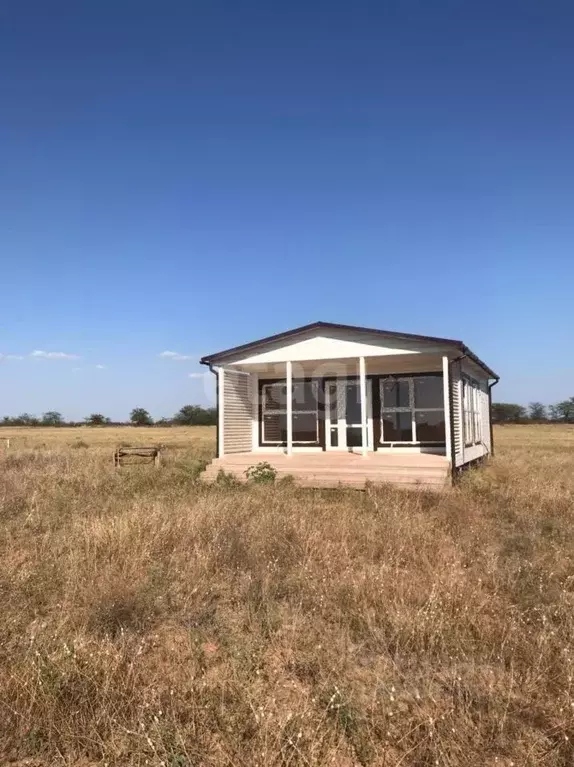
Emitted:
pixel 343 415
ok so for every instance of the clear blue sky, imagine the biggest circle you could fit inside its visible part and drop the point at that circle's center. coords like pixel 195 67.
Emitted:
pixel 187 176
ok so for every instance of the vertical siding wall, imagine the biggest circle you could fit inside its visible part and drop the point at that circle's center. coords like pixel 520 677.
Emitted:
pixel 473 452
pixel 237 412
pixel 457 419
pixel 485 415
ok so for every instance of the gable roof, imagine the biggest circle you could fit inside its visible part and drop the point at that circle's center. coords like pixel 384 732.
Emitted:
pixel 221 356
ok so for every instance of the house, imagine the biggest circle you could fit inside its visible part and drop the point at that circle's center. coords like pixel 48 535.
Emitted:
pixel 365 405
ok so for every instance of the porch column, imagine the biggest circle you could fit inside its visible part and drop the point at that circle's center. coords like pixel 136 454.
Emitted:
pixel 289 377
pixel 363 394
pixel 447 421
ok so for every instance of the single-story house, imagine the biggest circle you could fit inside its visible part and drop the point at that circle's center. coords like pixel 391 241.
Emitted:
pixel 336 404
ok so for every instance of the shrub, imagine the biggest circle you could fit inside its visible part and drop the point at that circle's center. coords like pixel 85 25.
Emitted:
pixel 261 473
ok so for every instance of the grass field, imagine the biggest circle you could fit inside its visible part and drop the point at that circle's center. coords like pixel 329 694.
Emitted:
pixel 150 619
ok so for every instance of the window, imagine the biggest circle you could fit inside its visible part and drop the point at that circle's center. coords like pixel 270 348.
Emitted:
pixel 412 410
pixel 397 426
pixel 274 413
pixel 471 410
pixel 430 425
pixel 428 392
pixel 396 393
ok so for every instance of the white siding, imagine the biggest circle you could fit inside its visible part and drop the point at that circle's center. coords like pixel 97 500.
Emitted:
pixel 485 414
pixel 456 398
pixel 237 412
pixel 447 408
pixel 473 452
pixel 466 453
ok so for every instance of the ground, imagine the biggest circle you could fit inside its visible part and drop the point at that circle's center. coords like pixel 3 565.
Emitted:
pixel 150 619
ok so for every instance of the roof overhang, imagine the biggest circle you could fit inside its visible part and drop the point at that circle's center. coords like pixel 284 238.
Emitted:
pixel 232 354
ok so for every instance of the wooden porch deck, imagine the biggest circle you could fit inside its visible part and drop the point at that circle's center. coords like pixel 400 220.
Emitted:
pixel 331 469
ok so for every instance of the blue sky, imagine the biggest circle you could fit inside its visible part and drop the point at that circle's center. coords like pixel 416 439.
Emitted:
pixel 186 176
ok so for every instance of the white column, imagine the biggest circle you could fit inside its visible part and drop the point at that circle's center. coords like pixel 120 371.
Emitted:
pixel 446 393
pixel 220 411
pixel 289 366
pixel 363 390
pixel 254 382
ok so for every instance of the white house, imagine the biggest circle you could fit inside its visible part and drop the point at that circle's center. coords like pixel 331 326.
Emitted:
pixel 364 404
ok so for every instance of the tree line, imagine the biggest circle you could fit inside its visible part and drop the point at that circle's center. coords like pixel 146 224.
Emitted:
pixel 535 412
pixel 188 415
pixel 195 415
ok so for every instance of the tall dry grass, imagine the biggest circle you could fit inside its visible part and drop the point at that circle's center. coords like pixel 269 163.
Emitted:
pixel 149 619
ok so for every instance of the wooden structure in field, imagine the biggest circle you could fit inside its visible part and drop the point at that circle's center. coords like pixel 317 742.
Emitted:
pixel 137 454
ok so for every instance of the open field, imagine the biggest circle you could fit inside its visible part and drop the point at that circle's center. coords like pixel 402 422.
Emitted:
pixel 150 619
pixel 175 437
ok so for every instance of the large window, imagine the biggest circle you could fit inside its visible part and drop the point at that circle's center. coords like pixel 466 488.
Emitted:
pixel 412 410
pixel 274 413
pixel 471 409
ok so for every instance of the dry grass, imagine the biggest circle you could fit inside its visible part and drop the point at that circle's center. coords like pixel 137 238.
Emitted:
pixel 148 619
pixel 181 437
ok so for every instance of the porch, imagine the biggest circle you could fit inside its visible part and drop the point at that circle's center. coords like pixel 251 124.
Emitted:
pixel 347 469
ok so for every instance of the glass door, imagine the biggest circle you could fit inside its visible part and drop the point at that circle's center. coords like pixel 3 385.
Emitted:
pixel 343 429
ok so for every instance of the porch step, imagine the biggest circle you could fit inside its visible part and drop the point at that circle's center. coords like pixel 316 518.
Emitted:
pixel 344 471
pixel 357 482
pixel 328 471
pixel 334 459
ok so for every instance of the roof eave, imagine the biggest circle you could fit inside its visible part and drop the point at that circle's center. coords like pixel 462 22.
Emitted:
pixel 222 355
pixel 468 353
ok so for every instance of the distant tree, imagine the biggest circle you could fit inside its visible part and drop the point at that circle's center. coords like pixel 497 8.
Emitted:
pixel 25 419
pixel 52 418
pixel 537 412
pixel 195 415
pixel 506 412
pixel 96 419
pixel 164 422
pixel 9 420
pixel 563 411
pixel 140 417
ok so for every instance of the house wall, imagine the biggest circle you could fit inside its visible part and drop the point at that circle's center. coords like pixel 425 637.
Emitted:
pixel 474 452
pixel 485 412
pixel 456 412
pixel 235 400
pixel 467 453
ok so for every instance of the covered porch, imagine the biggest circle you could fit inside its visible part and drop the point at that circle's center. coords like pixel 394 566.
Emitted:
pixel 369 404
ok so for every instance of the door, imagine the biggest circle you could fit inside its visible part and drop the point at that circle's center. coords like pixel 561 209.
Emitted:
pixel 343 415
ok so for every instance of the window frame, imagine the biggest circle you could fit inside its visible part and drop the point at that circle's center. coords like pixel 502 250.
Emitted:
pixel 412 409
pixel 282 410
pixel 471 411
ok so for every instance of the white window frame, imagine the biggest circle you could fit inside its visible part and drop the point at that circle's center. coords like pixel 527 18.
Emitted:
pixel 472 421
pixel 339 422
pixel 283 411
pixel 412 409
